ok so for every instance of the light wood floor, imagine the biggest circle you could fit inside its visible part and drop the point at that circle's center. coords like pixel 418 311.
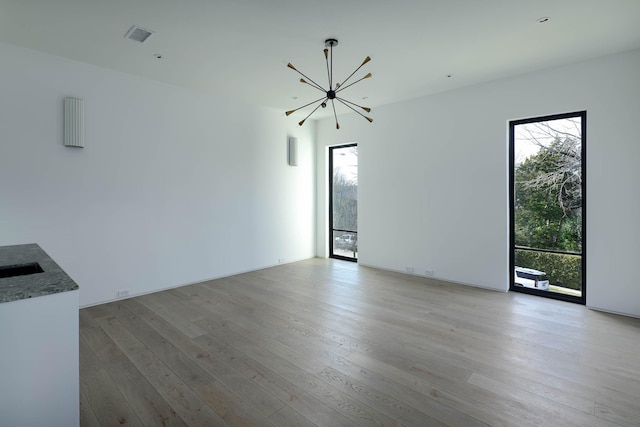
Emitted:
pixel 330 343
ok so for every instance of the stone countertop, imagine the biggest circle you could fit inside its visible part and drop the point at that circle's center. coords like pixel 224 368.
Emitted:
pixel 51 280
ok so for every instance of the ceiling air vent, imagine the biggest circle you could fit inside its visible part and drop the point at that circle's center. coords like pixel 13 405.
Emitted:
pixel 138 34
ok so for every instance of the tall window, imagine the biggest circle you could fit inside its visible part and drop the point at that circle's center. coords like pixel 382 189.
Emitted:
pixel 547 195
pixel 343 202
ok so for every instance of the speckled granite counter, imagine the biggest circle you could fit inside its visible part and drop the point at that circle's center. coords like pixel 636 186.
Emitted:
pixel 51 280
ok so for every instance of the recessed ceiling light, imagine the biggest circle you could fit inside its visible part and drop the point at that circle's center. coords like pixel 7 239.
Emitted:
pixel 157 55
pixel 543 20
pixel 449 75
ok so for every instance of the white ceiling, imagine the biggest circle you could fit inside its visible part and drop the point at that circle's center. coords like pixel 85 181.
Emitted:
pixel 239 48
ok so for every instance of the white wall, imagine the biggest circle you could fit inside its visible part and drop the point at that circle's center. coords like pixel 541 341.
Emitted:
pixel 433 177
pixel 173 187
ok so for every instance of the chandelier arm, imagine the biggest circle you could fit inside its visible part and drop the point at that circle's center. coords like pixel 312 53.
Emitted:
pixel 301 122
pixel 351 84
pixel 331 74
pixel 314 83
pixel 347 105
pixel 311 80
pixel 334 114
pixel 313 86
pixel 305 105
pixel 326 60
pixel 367 59
pixel 367 109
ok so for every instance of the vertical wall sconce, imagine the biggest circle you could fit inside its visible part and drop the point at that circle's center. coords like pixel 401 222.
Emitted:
pixel 292 152
pixel 73 122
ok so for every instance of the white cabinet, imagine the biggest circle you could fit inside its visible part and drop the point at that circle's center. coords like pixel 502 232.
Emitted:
pixel 39 366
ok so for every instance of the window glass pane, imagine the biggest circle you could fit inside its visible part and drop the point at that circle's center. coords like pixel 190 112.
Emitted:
pixel 345 244
pixel 548 185
pixel 345 188
pixel 562 271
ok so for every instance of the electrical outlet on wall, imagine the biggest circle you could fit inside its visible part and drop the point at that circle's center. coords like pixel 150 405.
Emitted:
pixel 123 293
pixel 428 273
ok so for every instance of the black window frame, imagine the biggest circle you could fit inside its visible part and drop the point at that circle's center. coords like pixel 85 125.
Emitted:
pixel 331 229
pixel 582 299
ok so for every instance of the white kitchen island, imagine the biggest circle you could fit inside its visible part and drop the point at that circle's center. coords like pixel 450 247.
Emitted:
pixel 39 362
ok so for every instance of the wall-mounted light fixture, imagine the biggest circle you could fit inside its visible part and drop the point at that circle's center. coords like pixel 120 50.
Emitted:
pixel 292 151
pixel 73 122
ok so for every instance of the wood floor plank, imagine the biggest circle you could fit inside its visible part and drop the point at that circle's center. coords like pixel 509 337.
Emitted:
pixel 246 334
pixel 236 410
pixel 319 413
pixel 429 372
pixel 361 413
pixel 552 411
pixel 617 416
pixel 468 350
pixel 87 417
pixel 450 392
pixel 154 303
pixel 107 404
pixel 217 395
pixel 187 404
pixel 383 402
pixel 181 364
pixel 149 406
pixel 199 379
pixel 289 417
pixel 281 375
pixel 325 343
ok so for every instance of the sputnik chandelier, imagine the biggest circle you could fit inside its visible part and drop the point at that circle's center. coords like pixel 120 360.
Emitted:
pixel 332 93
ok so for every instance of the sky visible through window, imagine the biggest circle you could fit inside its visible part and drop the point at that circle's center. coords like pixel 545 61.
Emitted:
pixel 346 161
pixel 530 137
